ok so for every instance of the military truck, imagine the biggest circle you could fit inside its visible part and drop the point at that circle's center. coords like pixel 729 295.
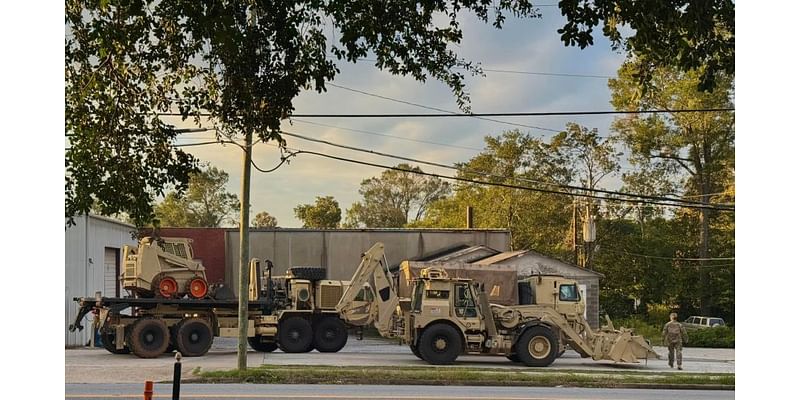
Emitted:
pixel 172 306
pixel 447 317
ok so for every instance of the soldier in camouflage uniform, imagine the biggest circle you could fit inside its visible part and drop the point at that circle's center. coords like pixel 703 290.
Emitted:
pixel 674 336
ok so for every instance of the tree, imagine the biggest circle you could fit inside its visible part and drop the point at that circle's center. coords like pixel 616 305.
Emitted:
pixel 324 213
pixel 684 34
pixel 264 220
pixel 536 220
pixel 206 203
pixel 395 198
pixel 700 145
pixel 237 65
pixel 591 158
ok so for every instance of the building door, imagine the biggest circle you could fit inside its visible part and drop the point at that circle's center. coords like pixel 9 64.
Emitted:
pixel 582 289
pixel 111 272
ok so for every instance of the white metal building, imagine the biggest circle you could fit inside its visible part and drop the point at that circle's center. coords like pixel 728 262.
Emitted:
pixel 92 263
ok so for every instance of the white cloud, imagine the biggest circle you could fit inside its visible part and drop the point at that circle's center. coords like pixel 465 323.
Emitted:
pixel 528 45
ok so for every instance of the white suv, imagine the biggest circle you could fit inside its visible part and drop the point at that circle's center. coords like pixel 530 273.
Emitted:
pixel 695 322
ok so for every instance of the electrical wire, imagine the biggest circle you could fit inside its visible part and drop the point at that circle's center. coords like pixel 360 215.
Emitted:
pixel 436 108
pixel 387 135
pixel 562 186
pixel 505 71
pixel 495 114
pixel 675 258
pixel 499 184
pixel 516 114
pixel 505 185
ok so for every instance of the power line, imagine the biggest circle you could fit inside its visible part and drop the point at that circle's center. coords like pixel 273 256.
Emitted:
pixel 515 114
pixel 386 135
pixel 456 178
pixel 436 108
pixel 496 114
pixel 506 71
pixel 676 258
pixel 498 184
pixel 562 186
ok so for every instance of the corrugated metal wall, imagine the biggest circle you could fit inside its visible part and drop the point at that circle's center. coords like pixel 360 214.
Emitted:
pixel 339 250
pixel 85 251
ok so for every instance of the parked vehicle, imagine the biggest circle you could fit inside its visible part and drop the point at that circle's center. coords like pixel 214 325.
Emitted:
pixel 698 322
pixel 450 316
pixel 173 307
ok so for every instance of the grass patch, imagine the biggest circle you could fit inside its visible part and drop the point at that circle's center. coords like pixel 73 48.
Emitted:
pixel 462 376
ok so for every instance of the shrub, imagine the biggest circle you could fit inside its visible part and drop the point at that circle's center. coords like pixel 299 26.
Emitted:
pixel 650 332
pixel 720 336
pixel 658 314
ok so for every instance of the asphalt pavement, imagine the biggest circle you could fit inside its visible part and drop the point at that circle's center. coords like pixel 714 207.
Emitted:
pixel 86 365
pixel 383 392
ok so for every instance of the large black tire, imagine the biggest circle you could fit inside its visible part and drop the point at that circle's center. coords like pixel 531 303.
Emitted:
pixel 258 345
pixel 110 344
pixel 149 337
pixel 513 357
pixel 440 344
pixel 310 273
pixel 415 350
pixel 537 347
pixel 330 335
pixel 295 335
pixel 193 337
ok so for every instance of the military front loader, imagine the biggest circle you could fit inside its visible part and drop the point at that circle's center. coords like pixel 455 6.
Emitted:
pixel 447 317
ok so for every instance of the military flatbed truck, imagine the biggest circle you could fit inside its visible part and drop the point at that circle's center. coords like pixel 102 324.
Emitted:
pixel 295 313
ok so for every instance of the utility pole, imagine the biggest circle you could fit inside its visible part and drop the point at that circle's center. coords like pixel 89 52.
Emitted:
pixel 589 235
pixel 575 229
pixel 244 252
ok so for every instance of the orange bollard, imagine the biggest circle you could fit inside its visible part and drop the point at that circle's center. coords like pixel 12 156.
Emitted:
pixel 148 390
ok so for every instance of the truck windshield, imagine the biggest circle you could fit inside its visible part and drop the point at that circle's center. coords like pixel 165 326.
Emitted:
pixel 568 293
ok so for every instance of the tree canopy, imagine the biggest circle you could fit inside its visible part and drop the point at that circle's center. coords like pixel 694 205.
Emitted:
pixel 324 213
pixel 694 151
pixel 240 63
pixel 395 198
pixel 206 203
pixel 264 220
pixel 684 34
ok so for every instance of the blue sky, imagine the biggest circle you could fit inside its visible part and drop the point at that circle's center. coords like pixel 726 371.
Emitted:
pixel 522 45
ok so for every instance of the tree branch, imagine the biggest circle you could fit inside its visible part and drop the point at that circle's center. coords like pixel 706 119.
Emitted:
pixel 679 160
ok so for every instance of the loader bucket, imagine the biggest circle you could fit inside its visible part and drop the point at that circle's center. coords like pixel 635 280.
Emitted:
pixel 629 348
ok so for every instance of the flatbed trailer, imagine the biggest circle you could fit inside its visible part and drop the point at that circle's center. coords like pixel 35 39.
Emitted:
pixel 149 327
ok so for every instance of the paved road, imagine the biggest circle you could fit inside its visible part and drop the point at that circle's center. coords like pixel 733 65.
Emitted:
pixel 385 392
pixel 98 366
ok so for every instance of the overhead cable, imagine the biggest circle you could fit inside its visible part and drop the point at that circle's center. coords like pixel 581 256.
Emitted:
pixel 562 186
pixel 436 108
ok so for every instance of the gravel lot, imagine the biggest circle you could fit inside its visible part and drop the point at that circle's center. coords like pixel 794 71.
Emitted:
pixel 95 365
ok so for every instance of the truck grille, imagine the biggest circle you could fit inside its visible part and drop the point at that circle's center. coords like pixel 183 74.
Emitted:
pixel 329 296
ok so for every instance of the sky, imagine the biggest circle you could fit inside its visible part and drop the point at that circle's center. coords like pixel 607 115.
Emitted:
pixel 522 45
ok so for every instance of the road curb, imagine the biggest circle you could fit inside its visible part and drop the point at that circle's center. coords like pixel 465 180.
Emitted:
pixel 401 382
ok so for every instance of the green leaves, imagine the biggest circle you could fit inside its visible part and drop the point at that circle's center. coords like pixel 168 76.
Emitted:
pixel 687 35
pixel 324 213
pixel 241 62
pixel 206 202
pixel 395 198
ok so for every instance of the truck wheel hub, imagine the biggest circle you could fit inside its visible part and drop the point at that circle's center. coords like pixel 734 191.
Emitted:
pixel 440 344
pixel 539 347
